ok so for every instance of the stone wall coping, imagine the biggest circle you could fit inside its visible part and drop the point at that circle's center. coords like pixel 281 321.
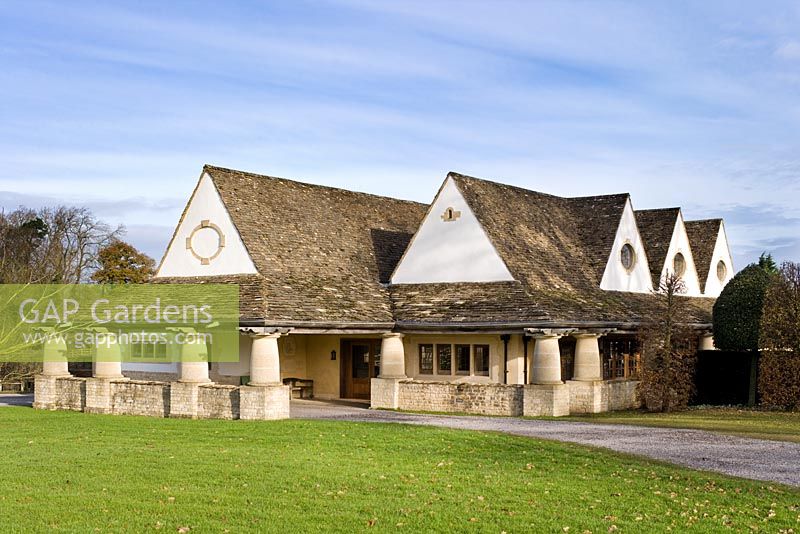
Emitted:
pixel 219 386
pixel 461 384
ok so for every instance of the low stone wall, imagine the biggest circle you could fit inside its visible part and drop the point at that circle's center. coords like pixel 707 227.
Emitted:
pixel 499 399
pixel 136 397
pixel 480 399
pixel 161 399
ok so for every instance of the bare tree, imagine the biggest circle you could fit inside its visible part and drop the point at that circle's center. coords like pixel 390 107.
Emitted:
pixel 668 351
pixel 52 245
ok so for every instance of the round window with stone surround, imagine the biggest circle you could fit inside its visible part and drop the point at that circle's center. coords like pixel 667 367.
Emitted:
pixel 627 257
pixel 722 271
pixel 679 264
pixel 205 242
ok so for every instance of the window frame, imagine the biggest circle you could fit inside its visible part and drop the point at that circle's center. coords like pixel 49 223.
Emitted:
pixel 448 347
pixel 457 366
pixel 488 356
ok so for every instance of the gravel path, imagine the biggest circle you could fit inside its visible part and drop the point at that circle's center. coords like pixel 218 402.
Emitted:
pixel 772 461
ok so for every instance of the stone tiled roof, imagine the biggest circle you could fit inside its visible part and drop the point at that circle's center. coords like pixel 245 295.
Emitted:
pixel 556 248
pixel 324 256
pixel 252 305
pixel 702 238
pixel 547 242
pixel 321 252
pixel 656 228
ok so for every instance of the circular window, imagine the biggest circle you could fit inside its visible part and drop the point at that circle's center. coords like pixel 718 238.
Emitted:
pixel 679 264
pixel 627 256
pixel 205 242
pixel 722 271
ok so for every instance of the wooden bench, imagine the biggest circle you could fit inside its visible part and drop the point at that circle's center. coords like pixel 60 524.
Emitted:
pixel 301 387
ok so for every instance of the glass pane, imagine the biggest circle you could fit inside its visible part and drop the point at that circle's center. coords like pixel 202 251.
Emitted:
pixel 462 359
pixel 444 355
pixel 360 361
pixel 426 359
pixel 481 359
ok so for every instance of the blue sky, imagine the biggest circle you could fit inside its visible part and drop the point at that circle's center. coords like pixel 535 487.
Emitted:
pixel 118 105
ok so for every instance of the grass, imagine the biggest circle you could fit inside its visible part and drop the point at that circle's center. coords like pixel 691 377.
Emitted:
pixel 81 472
pixel 783 426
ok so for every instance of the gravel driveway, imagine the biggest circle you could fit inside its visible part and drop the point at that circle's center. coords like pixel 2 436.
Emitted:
pixel 16 399
pixel 772 461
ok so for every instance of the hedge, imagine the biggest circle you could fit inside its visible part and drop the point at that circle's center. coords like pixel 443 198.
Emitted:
pixel 737 311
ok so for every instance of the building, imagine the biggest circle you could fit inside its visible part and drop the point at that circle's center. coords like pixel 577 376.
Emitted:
pixel 492 299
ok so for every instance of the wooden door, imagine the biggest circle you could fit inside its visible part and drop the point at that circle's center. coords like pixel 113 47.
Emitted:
pixel 360 363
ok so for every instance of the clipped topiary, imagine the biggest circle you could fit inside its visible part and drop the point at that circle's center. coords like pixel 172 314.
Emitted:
pixel 738 310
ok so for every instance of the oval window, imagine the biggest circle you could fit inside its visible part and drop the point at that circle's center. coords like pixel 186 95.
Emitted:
pixel 679 264
pixel 627 256
pixel 722 271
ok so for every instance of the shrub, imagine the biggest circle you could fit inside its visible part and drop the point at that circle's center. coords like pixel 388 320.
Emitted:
pixel 779 380
pixel 738 310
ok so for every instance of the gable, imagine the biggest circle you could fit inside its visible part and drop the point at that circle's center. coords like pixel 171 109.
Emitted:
pixel 206 241
pixel 722 253
pixel 616 277
pixel 450 246
pixel 679 244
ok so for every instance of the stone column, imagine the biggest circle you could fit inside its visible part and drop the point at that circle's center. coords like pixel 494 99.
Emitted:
pixel 547 394
pixel 546 360
pixel 587 386
pixel 265 397
pixel 385 390
pixel 55 361
pixel 393 356
pixel 707 342
pixel 265 366
pixel 184 395
pixel 54 366
pixel 107 368
pixel 108 363
pixel 587 357
pixel 194 364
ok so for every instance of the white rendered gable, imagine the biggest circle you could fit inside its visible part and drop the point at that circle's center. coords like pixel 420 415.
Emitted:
pixel 616 277
pixel 680 244
pixel 206 242
pixel 722 253
pixel 450 246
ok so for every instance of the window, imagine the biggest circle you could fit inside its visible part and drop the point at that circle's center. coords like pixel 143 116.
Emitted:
pixel 481 353
pixel 426 359
pixel 149 351
pixel 722 271
pixel 627 257
pixel 444 359
pixel 462 359
pixel 621 358
pixel 679 264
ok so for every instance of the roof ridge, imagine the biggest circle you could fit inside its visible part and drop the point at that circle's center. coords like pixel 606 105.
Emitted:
pixel 212 168
pixel 458 175
pixel 653 210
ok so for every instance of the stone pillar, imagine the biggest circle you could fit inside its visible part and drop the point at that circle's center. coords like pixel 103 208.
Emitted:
pixel 707 342
pixel 194 364
pixel 546 360
pixel 108 363
pixel 107 368
pixel 587 358
pixel 54 366
pixel 55 360
pixel 546 395
pixel 184 394
pixel 265 397
pixel 385 390
pixel 393 356
pixel 265 366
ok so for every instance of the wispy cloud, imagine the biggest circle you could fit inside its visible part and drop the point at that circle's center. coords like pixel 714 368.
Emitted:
pixel 122 104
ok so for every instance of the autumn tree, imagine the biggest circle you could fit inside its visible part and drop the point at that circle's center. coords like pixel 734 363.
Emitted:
pixel 668 350
pixel 121 263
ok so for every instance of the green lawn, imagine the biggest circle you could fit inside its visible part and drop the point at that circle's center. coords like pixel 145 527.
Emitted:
pixel 782 426
pixel 82 472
